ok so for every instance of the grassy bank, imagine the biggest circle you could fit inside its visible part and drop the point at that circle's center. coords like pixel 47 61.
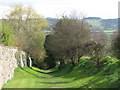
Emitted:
pixel 83 75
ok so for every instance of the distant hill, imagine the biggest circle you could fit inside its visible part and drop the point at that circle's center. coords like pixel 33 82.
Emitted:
pixel 52 21
pixel 103 24
pixel 96 23
pixel 93 18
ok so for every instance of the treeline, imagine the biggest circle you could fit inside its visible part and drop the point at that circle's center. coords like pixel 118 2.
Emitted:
pixel 71 39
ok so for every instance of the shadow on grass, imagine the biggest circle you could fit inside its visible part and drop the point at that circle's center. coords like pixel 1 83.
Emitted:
pixel 37 70
pixel 62 72
pixel 74 74
pixel 50 73
pixel 77 74
pixel 57 73
pixel 44 72
pixel 97 83
pixel 82 73
pixel 37 76
pixel 53 82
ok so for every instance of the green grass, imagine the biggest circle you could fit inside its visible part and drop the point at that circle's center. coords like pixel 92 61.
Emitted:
pixel 110 31
pixel 81 76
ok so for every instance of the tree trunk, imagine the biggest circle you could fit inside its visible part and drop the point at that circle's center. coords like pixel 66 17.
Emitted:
pixel 98 64
pixel 79 58
pixel 73 61
pixel 30 61
pixel 21 60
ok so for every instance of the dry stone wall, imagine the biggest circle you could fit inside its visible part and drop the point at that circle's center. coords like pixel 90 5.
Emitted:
pixel 10 58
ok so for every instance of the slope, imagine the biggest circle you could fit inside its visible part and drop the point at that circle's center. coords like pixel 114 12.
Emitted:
pixel 84 75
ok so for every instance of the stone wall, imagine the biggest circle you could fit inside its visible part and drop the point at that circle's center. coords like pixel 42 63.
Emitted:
pixel 10 58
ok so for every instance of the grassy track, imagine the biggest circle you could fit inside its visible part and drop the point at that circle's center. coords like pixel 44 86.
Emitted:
pixel 81 76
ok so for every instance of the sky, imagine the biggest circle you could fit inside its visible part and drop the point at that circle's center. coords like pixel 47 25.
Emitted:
pixel 106 9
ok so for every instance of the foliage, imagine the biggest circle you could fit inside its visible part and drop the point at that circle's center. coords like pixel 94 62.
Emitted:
pixel 50 60
pixel 25 21
pixel 97 47
pixel 73 39
pixel 67 41
pixel 28 25
pixel 7 34
pixel 36 48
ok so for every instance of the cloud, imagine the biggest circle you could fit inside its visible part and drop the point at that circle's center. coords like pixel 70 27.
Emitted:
pixel 9 2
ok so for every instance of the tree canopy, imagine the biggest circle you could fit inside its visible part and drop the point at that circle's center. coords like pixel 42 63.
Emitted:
pixel 28 34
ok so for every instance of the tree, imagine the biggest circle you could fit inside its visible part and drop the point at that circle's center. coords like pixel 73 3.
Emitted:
pixel 25 21
pixel 50 59
pixel 96 47
pixel 67 41
pixel 36 48
pixel 27 26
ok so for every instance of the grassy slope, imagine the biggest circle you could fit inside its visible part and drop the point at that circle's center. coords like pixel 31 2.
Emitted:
pixel 95 23
pixel 98 24
pixel 82 76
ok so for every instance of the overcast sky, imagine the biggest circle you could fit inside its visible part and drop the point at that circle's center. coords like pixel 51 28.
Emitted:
pixel 53 8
